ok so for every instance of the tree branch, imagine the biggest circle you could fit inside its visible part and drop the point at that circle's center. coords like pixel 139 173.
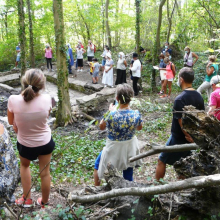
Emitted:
pixel 159 149
pixel 203 6
pixel 195 182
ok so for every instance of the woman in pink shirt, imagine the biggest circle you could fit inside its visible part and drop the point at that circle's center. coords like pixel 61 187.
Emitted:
pixel 28 113
pixel 48 56
pixel 170 74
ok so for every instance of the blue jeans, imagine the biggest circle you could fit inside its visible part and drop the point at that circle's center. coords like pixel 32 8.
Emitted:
pixel 127 174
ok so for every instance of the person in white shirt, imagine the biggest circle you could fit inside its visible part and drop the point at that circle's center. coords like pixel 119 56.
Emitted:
pixel 80 51
pixel 136 72
pixel 90 51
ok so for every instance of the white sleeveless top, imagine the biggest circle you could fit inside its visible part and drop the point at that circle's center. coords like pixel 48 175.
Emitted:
pixel 120 64
pixel 189 59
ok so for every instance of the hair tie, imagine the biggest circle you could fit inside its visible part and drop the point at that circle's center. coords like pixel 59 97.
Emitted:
pixel 30 86
pixel 123 98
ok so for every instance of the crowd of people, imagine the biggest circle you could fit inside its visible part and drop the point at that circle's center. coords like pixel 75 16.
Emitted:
pixel 28 113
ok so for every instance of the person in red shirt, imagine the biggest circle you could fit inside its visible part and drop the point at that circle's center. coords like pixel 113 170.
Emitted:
pixel 214 103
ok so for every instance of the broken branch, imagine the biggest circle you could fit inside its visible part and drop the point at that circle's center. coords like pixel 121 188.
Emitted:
pixel 195 182
pixel 159 149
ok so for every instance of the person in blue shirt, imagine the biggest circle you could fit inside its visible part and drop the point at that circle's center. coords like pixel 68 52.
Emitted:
pixel 167 49
pixel 121 144
pixel 18 51
pixel 71 60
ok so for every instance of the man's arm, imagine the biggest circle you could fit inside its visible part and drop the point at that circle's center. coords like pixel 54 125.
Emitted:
pixel 187 136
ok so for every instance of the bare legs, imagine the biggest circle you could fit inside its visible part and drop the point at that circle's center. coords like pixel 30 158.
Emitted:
pixel 45 176
pixel 25 176
pixel 96 178
pixel 164 87
pixel 160 170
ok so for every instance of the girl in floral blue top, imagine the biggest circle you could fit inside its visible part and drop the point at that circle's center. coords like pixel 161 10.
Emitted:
pixel 121 143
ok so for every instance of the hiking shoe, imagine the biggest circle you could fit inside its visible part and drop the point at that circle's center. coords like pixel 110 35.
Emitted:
pixel 24 202
pixel 39 202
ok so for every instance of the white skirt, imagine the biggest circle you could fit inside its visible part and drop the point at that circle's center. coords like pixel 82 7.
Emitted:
pixel 108 77
pixel 118 154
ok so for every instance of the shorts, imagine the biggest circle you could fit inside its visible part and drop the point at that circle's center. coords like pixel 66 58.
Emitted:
pixel 171 157
pixel 18 58
pixel 162 75
pixel 170 80
pixel 95 74
pixel 80 62
pixel 103 62
pixel 32 153
pixel 90 59
pixel 127 174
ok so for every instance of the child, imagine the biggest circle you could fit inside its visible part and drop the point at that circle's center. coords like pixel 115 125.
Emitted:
pixel 121 143
pixel 91 64
pixel 162 72
pixel 95 75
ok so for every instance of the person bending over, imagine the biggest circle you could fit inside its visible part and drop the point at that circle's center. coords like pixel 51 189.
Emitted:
pixel 121 143
pixel 189 96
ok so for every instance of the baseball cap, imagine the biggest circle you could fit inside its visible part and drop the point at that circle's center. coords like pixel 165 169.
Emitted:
pixel 215 80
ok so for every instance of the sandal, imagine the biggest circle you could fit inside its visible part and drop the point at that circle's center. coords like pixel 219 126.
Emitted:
pixel 163 96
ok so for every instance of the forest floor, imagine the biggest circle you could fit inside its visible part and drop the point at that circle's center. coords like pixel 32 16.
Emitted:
pixel 78 145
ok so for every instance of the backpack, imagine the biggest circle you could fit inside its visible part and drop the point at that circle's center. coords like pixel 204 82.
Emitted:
pixel 172 69
pixel 94 48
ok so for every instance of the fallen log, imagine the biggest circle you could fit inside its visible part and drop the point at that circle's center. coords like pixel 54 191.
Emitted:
pixel 195 182
pixel 159 149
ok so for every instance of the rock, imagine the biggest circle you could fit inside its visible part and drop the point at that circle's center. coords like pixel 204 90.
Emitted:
pixel 81 86
pixel 92 102
pixel 6 215
pixel 11 80
pixel 51 122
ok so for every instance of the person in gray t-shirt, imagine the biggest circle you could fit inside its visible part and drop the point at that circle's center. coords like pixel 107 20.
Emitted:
pixel 95 75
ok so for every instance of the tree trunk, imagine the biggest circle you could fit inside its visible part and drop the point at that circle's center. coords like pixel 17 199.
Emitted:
pixel 156 46
pixel 85 23
pixel 63 116
pixel 169 17
pixel 21 34
pixel 137 36
pixel 108 32
pixel 32 57
pixel 116 18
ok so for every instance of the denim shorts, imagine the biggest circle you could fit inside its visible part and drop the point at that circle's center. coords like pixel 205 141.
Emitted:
pixel 103 62
pixel 18 59
pixel 171 157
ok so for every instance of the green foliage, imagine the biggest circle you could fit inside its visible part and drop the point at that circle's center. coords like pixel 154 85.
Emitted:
pixel 72 160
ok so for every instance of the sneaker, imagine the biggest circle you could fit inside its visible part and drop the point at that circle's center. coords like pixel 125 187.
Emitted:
pixel 105 85
pixel 24 202
pixel 112 86
pixel 81 70
pixel 39 202
pixel 48 70
pixel 52 70
pixel 78 70
pixel 160 93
